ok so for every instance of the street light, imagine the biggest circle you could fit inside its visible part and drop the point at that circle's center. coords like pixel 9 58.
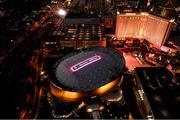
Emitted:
pixel 62 12
pixel 118 12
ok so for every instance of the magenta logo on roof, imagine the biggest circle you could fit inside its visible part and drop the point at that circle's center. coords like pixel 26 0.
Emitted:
pixel 85 63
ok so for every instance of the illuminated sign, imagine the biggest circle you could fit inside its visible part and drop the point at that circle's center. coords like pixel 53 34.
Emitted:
pixel 84 63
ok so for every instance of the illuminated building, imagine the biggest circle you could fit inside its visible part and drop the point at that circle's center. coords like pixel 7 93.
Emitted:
pixel 143 26
pixel 80 36
pixel 86 74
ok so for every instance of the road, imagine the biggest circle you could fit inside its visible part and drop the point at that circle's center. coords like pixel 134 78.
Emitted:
pixel 37 64
pixel 132 61
pixel 29 31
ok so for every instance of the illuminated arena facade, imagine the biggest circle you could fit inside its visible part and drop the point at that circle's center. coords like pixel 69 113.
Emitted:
pixel 86 73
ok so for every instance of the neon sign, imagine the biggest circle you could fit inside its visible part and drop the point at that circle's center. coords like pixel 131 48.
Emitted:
pixel 84 63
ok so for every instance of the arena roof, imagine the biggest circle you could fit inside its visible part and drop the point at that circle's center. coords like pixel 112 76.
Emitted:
pixel 88 70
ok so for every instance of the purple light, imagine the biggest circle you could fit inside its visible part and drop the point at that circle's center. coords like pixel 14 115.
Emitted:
pixel 164 48
pixel 84 63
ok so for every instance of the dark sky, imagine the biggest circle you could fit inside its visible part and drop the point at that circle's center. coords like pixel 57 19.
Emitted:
pixel 23 4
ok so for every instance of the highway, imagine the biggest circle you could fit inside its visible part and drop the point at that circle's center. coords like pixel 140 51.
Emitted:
pixel 31 30
pixel 36 63
pixel 20 69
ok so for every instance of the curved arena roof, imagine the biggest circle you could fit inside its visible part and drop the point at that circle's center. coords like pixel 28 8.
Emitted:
pixel 88 69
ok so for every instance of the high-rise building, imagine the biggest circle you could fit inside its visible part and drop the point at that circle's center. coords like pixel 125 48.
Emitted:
pixel 143 26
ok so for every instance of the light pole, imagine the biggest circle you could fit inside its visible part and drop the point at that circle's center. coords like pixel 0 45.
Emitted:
pixel 62 13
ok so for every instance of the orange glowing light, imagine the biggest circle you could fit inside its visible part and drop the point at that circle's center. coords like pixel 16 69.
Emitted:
pixel 64 94
pixel 81 105
pixel 101 108
pixel 130 13
pixel 75 96
pixel 89 110
pixel 144 13
pixel 106 87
